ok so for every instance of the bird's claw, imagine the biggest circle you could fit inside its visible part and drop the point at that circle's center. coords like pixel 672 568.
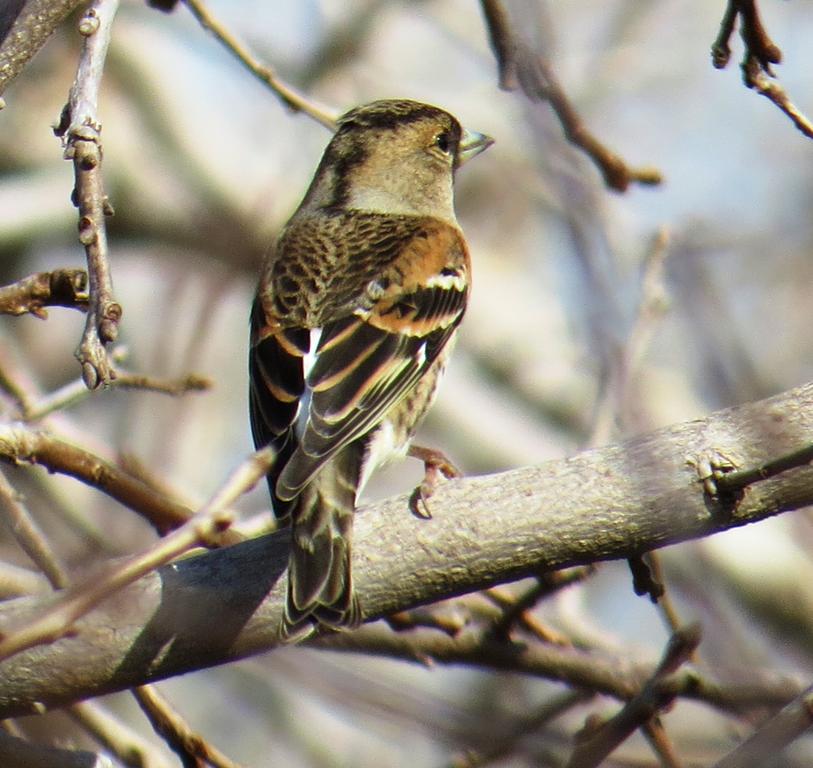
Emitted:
pixel 436 464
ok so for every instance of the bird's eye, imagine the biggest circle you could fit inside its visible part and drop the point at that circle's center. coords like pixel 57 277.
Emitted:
pixel 443 142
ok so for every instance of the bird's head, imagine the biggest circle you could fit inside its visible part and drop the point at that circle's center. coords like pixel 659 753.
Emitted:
pixel 394 157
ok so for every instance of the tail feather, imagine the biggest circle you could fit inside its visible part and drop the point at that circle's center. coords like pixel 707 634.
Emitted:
pixel 320 584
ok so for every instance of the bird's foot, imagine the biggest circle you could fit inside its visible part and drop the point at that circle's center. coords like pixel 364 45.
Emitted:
pixel 435 464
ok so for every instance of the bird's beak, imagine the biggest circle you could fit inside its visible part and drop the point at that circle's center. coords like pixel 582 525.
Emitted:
pixel 471 144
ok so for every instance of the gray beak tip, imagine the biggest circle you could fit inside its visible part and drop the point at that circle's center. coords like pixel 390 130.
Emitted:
pixel 471 145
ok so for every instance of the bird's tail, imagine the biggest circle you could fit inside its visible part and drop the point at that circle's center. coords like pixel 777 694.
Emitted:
pixel 320 584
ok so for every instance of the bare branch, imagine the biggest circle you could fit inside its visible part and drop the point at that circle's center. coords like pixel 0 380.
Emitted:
pixel 606 503
pixel 264 74
pixel 60 288
pixel 205 528
pixel 178 734
pixel 126 744
pixel 20 445
pixel 502 42
pixel 521 66
pixel 658 692
pixel 33 26
pixel 755 77
pixel 16 581
pixel 774 735
pixel 760 53
pixel 614 402
pixel 757 41
pixel 655 734
pixel 75 391
pixel 587 670
pixel 30 537
pixel 81 128
pixel 546 585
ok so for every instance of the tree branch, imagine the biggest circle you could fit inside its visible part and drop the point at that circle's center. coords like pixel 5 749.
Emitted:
pixel 60 288
pixel 602 504
pixel 19 445
pixel 760 53
pixel 521 66
pixel 81 128
pixel 34 24
pixel 592 748
pixel 773 736
pixel 290 97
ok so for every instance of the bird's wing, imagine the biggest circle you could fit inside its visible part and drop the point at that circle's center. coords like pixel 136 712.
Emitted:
pixel 276 384
pixel 372 351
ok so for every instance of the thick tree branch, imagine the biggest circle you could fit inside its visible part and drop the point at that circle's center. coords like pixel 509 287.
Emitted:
pixel 607 503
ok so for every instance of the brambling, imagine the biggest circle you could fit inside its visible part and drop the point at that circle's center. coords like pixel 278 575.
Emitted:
pixel 351 328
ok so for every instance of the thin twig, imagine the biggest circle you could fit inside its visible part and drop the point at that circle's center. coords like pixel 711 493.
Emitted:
pixel 506 600
pixel 126 744
pixel 546 585
pixel 30 536
pixel 774 735
pixel 757 41
pixel 206 528
pixel 665 604
pixel 729 483
pixel 720 49
pixel 756 77
pixel 588 670
pixel 11 384
pixel 80 128
pixel 290 97
pixel 520 66
pixel 658 692
pixel 661 745
pixel 177 733
pixel 16 581
pixel 760 53
pixel 502 42
pixel 60 288
pixel 447 617
pixel 21 445
pixel 76 391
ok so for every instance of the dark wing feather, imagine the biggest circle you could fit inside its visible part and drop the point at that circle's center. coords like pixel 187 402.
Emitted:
pixel 387 292
pixel 363 371
pixel 277 383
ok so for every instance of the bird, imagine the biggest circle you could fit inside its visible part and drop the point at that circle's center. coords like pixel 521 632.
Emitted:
pixel 352 325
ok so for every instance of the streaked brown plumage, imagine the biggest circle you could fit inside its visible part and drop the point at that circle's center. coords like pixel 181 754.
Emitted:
pixel 368 282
